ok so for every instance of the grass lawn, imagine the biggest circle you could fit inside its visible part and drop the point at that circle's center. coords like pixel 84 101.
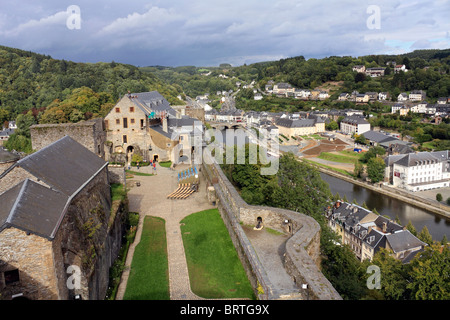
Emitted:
pixel 149 273
pixel 341 157
pixel 137 173
pixel 165 164
pixel 215 270
pixel 329 167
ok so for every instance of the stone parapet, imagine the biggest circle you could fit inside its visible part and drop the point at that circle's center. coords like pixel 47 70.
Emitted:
pixel 302 257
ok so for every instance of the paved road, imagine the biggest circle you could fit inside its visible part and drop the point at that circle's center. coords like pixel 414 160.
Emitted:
pixel 151 199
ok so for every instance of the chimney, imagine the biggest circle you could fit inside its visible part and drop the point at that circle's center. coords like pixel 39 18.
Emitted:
pixel 384 227
pixel 164 124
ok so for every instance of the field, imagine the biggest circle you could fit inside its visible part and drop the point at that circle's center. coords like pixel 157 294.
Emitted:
pixel 149 278
pixel 325 146
pixel 215 270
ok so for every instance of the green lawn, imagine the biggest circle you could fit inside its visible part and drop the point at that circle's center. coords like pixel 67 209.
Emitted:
pixel 137 173
pixel 165 164
pixel 341 157
pixel 215 270
pixel 149 273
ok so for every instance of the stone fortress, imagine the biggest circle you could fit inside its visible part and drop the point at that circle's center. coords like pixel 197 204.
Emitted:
pixel 67 180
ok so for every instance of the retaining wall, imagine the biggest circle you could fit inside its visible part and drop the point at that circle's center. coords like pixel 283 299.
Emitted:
pixel 301 259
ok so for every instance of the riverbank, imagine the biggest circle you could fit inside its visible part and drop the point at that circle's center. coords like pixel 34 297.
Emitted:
pixel 402 195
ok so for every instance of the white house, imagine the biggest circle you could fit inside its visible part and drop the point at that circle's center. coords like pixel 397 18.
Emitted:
pixel 419 171
pixel 400 67
pixel 354 124
pixel 383 96
pixel 417 95
pixel 402 97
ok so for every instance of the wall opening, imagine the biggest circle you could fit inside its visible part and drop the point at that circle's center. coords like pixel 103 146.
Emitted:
pixel 259 224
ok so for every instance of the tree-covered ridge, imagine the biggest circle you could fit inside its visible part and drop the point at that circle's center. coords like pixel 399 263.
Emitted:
pixel 429 70
pixel 34 81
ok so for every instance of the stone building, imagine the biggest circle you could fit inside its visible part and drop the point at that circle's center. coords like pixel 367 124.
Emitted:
pixel 55 219
pixel 366 233
pixel 300 127
pixel 91 134
pixel 144 123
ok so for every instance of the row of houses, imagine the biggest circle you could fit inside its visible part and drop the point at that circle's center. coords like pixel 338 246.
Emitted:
pixel 366 232
pixel 284 89
pixel 437 109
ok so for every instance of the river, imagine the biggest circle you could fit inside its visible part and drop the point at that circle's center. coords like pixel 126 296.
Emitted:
pixel 437 225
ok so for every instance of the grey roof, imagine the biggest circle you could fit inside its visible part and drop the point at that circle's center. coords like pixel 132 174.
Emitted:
pixel 7 132
pixel 32 207
pixel 298 123
pixel 402 241
pixel 151 101
pixel 377 136
pixel 65 165
pixel 355 120
pixel 6 156
pixel 412 159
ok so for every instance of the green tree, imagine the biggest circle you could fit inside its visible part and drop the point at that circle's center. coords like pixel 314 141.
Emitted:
pixel 359 169
pixel 375 169
pixel 430 274
pixel 425 236
pixel 439 197
pixel 394 277
pixel 18 142
pixel 24 122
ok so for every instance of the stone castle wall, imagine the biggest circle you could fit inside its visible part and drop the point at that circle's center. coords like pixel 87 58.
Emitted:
pixel 302 256
pixel 91 134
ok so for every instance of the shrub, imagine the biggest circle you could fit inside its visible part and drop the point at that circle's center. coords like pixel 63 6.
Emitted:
pixel 439 197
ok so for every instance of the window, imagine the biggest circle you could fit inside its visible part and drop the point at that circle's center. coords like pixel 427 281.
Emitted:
pixel 106 124
pixel 125 123
pixel 11 276
pixel 131 109
pixel 132 121
pixel 117 110
pixel 117 121
pixel 124 138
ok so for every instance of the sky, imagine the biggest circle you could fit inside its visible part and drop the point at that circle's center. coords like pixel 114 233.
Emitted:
pixel 208 33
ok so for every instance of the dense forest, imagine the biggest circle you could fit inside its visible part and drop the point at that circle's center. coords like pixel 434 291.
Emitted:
pixel 30 81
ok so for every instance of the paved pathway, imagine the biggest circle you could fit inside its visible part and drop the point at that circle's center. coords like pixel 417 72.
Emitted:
pixel 151 199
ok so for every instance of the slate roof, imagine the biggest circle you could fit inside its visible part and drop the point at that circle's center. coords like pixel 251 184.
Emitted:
pixel 377 136
pixel 413 159
pixel 6 156
pixel 151 101
pixel 290 123
pixel 402 241
pixel 66 166
pixel 32 207
pixel 355 120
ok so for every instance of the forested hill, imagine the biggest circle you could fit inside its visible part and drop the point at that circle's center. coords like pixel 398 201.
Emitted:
pixel 31 81
pixel 428 70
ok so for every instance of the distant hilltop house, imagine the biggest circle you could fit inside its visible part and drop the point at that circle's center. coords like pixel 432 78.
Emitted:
pixel 366 233
pixel 56 213
pixel 354 124
pixel 359 68
pixel 145 123
pixel 375 72
pixel 419 171
pixel 417 95
pixel 400 67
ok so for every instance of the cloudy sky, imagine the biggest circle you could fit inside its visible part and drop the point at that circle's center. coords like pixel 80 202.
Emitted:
pixel 207 33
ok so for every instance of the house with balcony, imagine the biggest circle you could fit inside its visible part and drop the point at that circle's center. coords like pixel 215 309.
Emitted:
pixel 354 124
